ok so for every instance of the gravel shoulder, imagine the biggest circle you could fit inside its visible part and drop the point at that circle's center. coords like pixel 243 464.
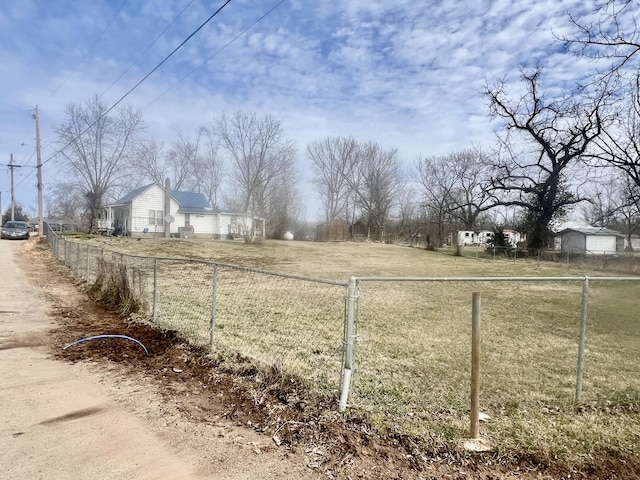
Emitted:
pixel 93 420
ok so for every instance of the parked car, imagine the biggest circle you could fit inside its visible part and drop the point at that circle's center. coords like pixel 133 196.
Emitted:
pixel 15 230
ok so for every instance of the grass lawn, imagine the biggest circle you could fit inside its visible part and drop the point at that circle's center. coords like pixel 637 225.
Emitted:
pixel 413 351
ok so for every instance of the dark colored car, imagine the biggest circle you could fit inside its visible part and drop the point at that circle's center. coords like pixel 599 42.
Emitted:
pixel 15 230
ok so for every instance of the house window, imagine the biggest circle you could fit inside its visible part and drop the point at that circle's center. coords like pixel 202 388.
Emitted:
pixel 152 217
pixel 160 217
pixel 187 219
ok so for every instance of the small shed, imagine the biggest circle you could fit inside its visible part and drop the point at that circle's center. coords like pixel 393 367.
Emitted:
pixel 332 232
pixel 591 241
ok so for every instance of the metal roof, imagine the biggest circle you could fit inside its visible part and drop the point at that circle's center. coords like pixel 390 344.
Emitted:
pixel 191 201
pixel 133 194
pixel 601 231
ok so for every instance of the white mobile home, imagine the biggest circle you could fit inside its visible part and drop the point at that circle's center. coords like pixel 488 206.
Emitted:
pixel 483 237
pixel 141 213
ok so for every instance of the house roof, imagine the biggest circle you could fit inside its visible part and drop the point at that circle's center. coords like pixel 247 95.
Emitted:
pixel 600 231
pixel 189 202
pixel 133 194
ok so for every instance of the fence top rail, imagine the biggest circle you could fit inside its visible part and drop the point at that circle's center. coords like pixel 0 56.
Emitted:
pixel 493 279
pixel 213 263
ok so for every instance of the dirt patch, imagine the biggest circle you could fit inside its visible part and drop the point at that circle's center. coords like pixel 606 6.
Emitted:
pixel 267 402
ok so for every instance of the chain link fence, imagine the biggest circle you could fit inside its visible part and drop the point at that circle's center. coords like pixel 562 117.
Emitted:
pixel 293 322
pixel 547 344
pixel 396 349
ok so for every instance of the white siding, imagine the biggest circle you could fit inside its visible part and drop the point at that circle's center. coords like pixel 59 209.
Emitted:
pixel 202 224
pixel 224 222
pixel 151 199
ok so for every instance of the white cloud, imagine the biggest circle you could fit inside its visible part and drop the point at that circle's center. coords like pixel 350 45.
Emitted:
pixel 406 74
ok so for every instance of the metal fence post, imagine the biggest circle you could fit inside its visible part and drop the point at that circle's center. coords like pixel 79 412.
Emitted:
pixel 213 304
pixel 78 259
pixel 155 290
pixel 475 365
pixel 88 254
pixel 349 342
pixel 583 339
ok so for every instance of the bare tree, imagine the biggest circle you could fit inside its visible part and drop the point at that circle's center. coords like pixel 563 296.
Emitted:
pixel 410 222
pixel 613 38
pixel 66 201
pixel 470 198
pixel 182 160
pixel 612 41
pixel 619 145
pixel 209 172
pixel 150 160
pixel 96 148
pixel 283 208
pixel 453 189
pixel 261 159
pixel 614 202
pixel 556 135
pixel 332 160
pixel 437 182
pixel 375 178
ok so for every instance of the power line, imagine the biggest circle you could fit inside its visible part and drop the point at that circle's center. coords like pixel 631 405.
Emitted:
pixel 214 54
pixel 140 82
pixel 95 44
pixel 148 48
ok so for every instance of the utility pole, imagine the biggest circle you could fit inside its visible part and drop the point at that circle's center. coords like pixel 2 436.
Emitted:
pixel 36 116
pixel 13 201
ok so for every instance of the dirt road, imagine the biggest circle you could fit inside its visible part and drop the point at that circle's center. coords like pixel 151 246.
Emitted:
pixel 70 421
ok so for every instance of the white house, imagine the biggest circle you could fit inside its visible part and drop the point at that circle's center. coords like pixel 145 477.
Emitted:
pixel 483 237
pixel 141 213
pixel 591 241
pixel 514 237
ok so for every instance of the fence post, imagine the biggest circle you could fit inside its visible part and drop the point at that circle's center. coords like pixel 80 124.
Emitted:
pixel 476 312
pixel 78 259
pixel 155 290
pixel 213 304
pixel 88 254
pixel 349 342
pixel 583 339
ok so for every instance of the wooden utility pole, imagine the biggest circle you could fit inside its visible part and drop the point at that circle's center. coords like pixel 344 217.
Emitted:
pixel 13 201
pixel 36 116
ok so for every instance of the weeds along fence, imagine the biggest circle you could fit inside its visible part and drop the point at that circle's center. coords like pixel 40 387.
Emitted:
pixel 397 349
pixel 293 322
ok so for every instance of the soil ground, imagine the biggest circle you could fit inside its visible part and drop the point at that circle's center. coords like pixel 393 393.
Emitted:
pixel 105 409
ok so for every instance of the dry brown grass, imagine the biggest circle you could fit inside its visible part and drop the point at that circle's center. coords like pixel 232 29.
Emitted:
pixel 413 350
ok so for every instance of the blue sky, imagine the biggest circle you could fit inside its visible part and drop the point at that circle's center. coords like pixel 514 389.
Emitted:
pixel 406 74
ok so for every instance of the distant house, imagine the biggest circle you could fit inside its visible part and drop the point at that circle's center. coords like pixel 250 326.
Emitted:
pixel 591 241
pixel 484 237
pixel 141 213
